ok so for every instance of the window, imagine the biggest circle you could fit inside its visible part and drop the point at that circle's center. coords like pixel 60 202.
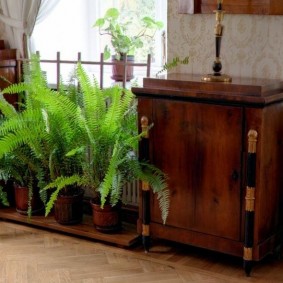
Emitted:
pixel 68 29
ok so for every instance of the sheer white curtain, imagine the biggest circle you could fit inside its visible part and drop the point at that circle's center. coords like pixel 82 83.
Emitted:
pixel 19 17
pixel 46 7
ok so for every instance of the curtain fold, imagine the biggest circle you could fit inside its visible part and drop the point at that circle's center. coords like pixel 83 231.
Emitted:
pixel 45 9
pixel 19 17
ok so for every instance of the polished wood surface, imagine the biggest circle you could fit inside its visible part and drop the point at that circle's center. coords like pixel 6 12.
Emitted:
pixel 8 70
pixel 126 237
pixel 263 7
pixel 30 255
pixel 239 91
pixel 199 140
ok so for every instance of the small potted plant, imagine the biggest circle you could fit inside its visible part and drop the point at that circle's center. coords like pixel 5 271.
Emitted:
pixel 23 171
pixel 125 38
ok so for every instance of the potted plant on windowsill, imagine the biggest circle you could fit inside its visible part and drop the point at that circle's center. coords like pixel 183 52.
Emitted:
pixel 125 38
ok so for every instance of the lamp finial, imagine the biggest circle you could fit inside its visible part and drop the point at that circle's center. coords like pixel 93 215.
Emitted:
pixel 218 32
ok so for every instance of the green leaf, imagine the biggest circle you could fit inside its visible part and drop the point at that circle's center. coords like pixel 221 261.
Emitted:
pixel 99 23
pixel 112 13
pixel 106 53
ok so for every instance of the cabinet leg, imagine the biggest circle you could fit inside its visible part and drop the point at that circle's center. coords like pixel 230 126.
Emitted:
pixel 248 264
pixel 277 252
pixel 250 202
pixel 145 218
pixel 146 242
pixel 144 152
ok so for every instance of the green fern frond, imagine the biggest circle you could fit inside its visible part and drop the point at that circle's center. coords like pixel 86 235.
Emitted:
pixel 3 197
pixel 157 180
pixel 174 63
pixel 164 203
pixel 30 186
pixel 2 78
pixel 117 189
pixel 60 183
pixel 94 106
pixel 107 182
pixel 6 108
pixel 17 88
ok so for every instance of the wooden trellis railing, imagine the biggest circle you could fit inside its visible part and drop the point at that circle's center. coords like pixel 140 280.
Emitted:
pixel 58 61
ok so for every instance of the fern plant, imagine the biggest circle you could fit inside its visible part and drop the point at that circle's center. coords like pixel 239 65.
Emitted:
pixel 46 128
pixel 84 136
pixel 17 161
pixel 106 119
pixel 111 141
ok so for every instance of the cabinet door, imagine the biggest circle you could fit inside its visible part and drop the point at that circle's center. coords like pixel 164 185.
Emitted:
pixel 199 146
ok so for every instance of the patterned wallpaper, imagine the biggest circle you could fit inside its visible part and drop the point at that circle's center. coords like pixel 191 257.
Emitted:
pixel 252 45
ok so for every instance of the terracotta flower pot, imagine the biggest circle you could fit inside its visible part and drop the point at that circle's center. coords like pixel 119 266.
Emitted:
pixel 22 200
pixel 118 69
pixel 106 219
pixel 68 209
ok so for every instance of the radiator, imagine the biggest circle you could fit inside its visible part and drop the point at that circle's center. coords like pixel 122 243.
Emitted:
pixel 131 193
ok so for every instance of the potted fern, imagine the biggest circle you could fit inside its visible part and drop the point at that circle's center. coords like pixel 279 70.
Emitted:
pixel 125 38
pixel 47 128
pixel 110 143
pixel 17 162
pixel 23 177
pixel 82 137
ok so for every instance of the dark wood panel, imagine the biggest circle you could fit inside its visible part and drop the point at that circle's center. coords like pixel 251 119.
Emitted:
pixel 261 7
pixel 189 6
pixel 174 141
pixel 8 72
pixel 188 138
pixel 218 190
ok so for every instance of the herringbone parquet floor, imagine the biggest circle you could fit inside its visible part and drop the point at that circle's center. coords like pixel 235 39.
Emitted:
pixel 31 255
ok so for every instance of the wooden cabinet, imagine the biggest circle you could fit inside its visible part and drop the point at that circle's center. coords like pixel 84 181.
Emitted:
pixel 8 70
pixel 263 7
pixel 200 140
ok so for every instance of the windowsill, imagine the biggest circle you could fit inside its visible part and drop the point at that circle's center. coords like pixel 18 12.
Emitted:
pixel 108 82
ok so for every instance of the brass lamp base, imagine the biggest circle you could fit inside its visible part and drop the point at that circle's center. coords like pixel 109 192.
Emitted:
pixel 218 78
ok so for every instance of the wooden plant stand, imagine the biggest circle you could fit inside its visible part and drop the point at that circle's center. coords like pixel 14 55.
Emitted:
pixel 127 237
